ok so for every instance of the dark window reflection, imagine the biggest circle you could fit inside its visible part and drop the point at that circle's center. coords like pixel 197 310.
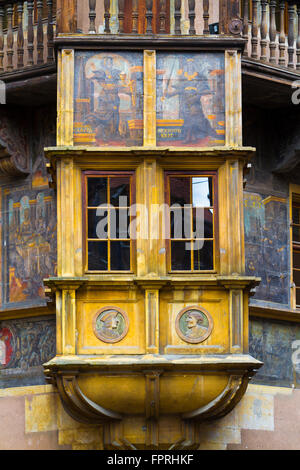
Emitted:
pixel 180 191
pixel 120 188
pixel 203 223
pixel 98 256
pixel 180 223
pixel 119 223
pixel 203 255
pixel 97 191
pixel 180 256
pixel 97 225
pixel 120 256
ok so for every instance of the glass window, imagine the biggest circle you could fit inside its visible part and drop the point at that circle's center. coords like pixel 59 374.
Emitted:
pixel 107 213
pixel 192 222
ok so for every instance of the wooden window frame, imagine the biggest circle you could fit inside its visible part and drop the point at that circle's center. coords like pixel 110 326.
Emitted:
pixel 294 198
pixel 96 174
pixel 216 257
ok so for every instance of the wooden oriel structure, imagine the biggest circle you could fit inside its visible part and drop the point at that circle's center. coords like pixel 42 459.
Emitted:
pixel 146 242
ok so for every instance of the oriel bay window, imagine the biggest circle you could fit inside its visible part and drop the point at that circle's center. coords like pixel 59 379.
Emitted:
pixel 108 197
pixel 193 201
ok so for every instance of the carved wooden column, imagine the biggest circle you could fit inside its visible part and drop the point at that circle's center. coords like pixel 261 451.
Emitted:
pixel 291 38
pixel 66 16
pixel 135 16
pixel 230 21
pixel 50 44
pixel 1 36
pixel 10 37
pixel 20 36
pixel 206 16
pixel 121 16
pixel 298 39
pixel 282 37
pixel 92 16
pixel 264 30
pixel 40 33
pixel 273 31
pixel 192 17
pixel 149 16
pixel 162 17
pixel 177 15
pixel 246 26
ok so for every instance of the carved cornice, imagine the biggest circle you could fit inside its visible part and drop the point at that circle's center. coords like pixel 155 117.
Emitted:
pixel 12 164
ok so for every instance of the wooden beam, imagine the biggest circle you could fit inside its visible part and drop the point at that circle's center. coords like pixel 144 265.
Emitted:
pixel 230 17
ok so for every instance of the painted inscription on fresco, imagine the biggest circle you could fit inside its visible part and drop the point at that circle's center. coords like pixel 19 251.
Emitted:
pixel 267 246
pixel 108 99
pixel 30 248
pixel 190 99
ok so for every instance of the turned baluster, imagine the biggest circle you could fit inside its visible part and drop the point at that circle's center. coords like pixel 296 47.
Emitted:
pixel 206 16
pixel 40 33
pixel 246 26
pixel 10 37
pixel 291 38
pixel 121 16
pixel 50 44
pixel 273 31
pixel 30 32
pixel 162 16
pixel 20 36
pixel 264 30
pixel 1 36
pixel 254 39
pixel 298 39
pixel 106 16
pixel 177 16
pixel 92 16
pixel 282 37
pixel 192 16
pixel 135 16
pixel 149 16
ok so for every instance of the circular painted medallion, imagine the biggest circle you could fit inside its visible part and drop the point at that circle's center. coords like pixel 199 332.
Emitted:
pixel 194 324
pixel 111 324
pixel 6 347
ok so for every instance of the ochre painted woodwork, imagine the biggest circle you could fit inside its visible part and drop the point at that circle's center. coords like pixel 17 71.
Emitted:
pixel 144 351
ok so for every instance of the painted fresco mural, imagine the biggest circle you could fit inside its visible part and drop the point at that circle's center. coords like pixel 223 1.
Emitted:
pixel 30 245
pixel 275 343
pixel 108 99
pixel 190 99
pixel 25 344
pixel 267 246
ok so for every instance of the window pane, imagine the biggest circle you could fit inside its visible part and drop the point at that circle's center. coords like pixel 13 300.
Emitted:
pixel 296 259
pixel 296 278
pixel 97 256
pixel 296 234
pixel 119 223
pixel 203 223
pixel 202 192
pixel 203 255
pixel 296 215
pixel 180 191
pixel 181 223
pixel 97 191
pixel 97 225
pixel 298 297
pixel 120 256
pixel 120 188
pixel 181 257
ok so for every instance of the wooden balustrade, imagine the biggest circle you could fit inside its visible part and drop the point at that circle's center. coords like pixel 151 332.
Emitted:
pixel 27 28
pixel 272 28
pixel 26 34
